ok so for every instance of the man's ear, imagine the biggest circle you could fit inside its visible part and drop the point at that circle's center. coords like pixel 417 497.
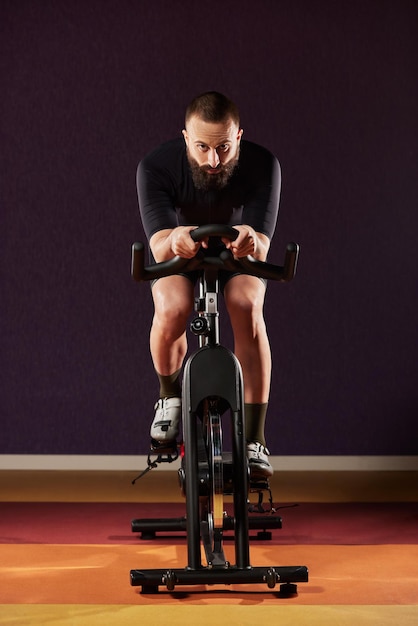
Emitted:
pixel 241 130
pixel 186 136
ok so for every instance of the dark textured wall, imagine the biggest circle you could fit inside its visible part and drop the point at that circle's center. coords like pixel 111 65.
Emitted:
pixel 87 88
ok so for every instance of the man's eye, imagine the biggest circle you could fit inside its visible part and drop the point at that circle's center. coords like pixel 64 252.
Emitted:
pixel 224 147
pixel 202 147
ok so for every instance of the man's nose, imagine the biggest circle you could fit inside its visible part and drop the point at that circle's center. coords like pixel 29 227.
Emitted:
pixel 213 158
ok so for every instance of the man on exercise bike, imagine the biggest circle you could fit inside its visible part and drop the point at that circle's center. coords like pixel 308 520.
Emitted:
pixel 210 176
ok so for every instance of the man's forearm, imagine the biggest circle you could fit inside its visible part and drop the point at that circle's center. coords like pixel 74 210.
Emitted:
pixel 168 243
pixel 160 244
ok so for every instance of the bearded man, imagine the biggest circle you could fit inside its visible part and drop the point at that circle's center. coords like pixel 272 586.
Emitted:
pixel 210 176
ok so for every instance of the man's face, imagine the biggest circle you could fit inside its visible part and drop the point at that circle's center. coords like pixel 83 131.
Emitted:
pixel 212 150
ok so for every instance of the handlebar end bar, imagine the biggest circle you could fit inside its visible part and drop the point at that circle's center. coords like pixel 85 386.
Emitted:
pixel 290 261
pixel 137 261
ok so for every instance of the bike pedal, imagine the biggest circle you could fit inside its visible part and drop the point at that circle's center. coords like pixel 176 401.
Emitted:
pixel 165 451
pixel 164 454
pixel 259 485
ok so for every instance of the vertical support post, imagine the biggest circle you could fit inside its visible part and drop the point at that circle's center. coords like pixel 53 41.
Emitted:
pixel 192 486
pixel 240 473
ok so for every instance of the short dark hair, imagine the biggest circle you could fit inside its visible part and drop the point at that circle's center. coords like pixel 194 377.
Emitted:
pixel 213 106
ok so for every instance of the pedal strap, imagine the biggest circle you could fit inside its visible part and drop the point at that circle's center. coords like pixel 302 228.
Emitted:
pixel 165 455
pixel 260 488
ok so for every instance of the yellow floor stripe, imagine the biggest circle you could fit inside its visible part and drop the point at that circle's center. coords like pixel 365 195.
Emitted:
pixel 122 615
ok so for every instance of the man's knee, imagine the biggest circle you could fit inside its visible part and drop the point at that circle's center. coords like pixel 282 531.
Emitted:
pixel 173 301
pixel 245 297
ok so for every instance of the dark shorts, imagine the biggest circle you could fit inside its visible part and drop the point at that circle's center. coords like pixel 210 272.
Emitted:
pixel 223 276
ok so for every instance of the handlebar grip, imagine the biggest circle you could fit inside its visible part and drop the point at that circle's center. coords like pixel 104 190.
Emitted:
pixel 214 230
pixel 137 262
pixel 290 261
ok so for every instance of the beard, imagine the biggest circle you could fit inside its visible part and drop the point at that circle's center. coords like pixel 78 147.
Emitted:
pixel 205 181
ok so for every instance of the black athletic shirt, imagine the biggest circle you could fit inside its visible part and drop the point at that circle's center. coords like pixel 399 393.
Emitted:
pixel 168 197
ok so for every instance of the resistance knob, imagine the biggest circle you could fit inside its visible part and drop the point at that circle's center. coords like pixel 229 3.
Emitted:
pixel 199 326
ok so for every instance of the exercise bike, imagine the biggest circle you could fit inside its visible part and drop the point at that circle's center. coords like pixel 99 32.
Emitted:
pixel 212 388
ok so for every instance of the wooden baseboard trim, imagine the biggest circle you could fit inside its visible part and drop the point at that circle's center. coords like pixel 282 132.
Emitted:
pixel 134 463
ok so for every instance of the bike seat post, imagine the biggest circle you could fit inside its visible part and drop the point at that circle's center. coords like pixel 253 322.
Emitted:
pixel 207 307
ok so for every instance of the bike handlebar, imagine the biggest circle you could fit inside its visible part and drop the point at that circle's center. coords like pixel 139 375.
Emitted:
pixel 244 265
pixel 214 230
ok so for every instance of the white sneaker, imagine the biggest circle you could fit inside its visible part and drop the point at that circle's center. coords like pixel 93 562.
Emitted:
pixel 165 426
pixel 260 467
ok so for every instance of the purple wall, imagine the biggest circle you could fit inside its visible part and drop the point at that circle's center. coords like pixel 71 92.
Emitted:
pixel 87 88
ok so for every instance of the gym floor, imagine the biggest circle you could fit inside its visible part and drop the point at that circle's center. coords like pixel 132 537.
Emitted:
pixel 64 577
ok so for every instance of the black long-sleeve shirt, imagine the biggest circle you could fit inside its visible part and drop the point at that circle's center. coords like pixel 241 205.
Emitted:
pixel 168 197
